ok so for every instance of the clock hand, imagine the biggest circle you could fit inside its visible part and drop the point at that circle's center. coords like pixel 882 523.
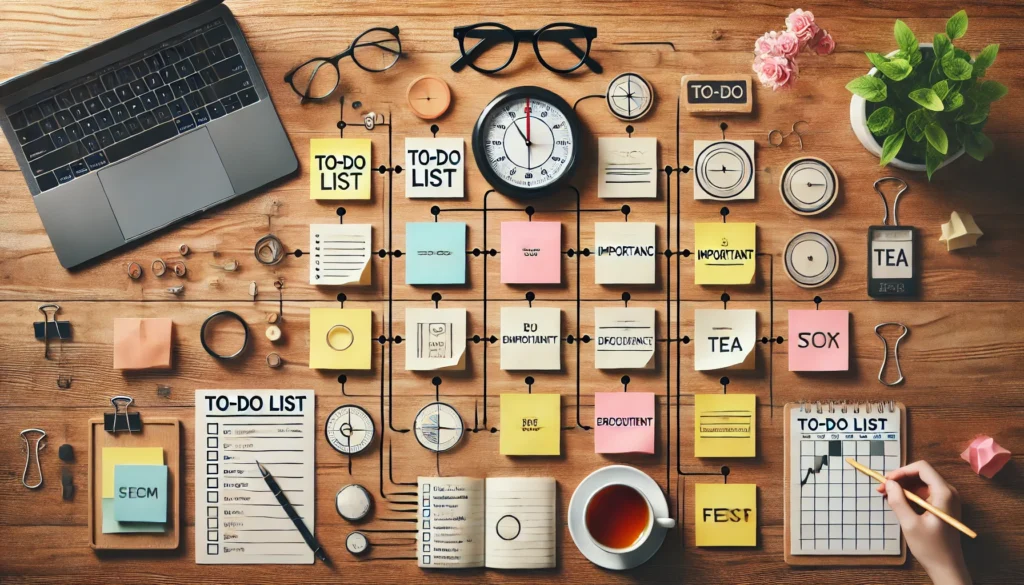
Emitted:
pixel 809 184
pixel 722 170
pixel 527 111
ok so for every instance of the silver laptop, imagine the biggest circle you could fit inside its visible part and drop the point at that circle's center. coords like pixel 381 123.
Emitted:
pixel 157 124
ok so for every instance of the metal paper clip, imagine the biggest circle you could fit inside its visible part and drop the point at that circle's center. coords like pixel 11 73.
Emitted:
pixel 110 420
pixel 783 137
pixel 40 445
pixel 895 352
pixel 895 203
pixel 46 328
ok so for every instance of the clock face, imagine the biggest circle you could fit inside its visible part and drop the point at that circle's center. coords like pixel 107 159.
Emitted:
pixel 429 97
pixel 723 169
pixel 812 259
pixel 438 427
pixel 525 142
pixel 809 186
pixel 349 429
pixel 630 97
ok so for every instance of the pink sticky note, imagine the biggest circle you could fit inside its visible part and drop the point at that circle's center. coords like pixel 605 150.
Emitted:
pixel 819 341
pixel 624 422
pixel 985 456
pixel 531 252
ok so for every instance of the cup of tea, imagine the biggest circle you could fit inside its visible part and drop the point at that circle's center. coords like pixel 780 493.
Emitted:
pixel 619 518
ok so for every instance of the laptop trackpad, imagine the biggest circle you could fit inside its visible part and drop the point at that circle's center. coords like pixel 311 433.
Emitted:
pixel 165 184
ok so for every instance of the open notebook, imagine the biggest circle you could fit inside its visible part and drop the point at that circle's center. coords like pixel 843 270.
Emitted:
pixel 499 523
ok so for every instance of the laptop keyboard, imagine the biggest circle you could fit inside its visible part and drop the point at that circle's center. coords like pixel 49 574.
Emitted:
pixel 120 110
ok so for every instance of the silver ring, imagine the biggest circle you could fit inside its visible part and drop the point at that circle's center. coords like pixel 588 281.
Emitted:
pixel 269 250
pixel 352 337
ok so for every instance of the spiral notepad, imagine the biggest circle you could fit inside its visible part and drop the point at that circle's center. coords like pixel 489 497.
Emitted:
pixel 834 515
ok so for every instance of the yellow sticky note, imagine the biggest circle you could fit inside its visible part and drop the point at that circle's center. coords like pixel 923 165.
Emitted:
pixel 724 425
pixel 340 339
pixel 726 253
pixel 339 168
pixel 127 456
pixel 531 424
pixel 726 514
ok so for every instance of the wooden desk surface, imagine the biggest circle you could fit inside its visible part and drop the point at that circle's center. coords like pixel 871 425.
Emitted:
pixel 962 359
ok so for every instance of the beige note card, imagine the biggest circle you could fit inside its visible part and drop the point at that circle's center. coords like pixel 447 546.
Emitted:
pixel 626 252
pixel 435 339
pixel 531 338
pixel 624 338
pixel 627 168
pixel 724 339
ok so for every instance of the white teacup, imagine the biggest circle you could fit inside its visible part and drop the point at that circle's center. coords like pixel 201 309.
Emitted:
pixel 644 534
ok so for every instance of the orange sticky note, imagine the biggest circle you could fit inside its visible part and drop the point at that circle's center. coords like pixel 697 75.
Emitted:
pixel 142 344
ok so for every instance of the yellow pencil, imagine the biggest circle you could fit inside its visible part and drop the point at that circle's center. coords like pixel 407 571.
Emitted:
pixel 917 500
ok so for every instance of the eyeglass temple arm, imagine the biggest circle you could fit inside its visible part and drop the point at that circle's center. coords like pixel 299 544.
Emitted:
pixel 592 64
pixel 486 42
pixel 378 44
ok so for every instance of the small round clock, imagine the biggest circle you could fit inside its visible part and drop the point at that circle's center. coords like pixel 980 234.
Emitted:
pixel 438 427
pixel 429 97
pixel 525 142
pixel 349 429
pixel 811 259
pixel 809 186
pixel 724 169
pixel 629 97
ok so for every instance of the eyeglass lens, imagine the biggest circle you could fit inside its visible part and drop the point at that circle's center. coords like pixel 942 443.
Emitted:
pixel 490 47
pixel 562 47
pixel 316 79
pixel 376 50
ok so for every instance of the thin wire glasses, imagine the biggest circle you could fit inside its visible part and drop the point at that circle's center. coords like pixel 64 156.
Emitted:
pixel 561 47
pixel 375 50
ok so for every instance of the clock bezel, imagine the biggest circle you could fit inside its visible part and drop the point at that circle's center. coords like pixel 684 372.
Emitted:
pixel 480 156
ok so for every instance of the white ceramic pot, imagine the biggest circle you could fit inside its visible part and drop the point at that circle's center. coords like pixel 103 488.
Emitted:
pixel 859 122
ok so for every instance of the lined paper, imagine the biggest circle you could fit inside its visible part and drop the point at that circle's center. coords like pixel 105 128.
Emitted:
pixel 238 519
pixel 450 522
pixel 521 523
pixel 340 253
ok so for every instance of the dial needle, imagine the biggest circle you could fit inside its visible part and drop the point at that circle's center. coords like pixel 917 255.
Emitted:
pixel 809 184
pixel 527 110
pixel 722 170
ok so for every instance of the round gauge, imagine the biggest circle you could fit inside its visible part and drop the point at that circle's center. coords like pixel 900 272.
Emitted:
pixel 429 97
pixel 809 186
pixel 724 169
pixel 438 427
pixel 630 97
pixel 525 142
pixel 812 259
pixel 357 543
pixel 353 502
pixel 349 429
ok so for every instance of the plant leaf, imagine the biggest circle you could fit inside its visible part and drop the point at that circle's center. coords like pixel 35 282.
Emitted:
pixel 881 120
pixel 877 58
pixel 937 137
pixel 927 98
pixel 957 69
pixel 956 26
pixel 932 160
pixel 905 37
pixel 891 147
pixel 961 54
pixel 941 89
pixel 975 113
pixel 941 45
pixel 896 69
pixel 989 91
pixel 953 101
pixel 985 59
pixel 915 58
pixel 916 123
pixel 977 145
pixel 868 87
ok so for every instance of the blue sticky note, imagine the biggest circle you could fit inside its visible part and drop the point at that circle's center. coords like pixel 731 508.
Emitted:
pixel 436 253
pixel 112 526
pixel 140 493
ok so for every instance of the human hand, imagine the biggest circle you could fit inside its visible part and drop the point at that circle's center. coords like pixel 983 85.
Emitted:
pixel 935 544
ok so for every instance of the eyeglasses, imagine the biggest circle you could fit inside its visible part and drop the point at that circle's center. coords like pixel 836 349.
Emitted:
pixel 375 50
pixel 561 47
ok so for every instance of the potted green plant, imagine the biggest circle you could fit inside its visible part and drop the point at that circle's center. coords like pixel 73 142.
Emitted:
pixel 923 105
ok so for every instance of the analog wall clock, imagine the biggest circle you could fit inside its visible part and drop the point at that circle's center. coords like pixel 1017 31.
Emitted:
pixel 526 142
pixel 809 186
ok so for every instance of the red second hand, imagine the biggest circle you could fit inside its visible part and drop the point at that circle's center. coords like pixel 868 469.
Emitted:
pixel 526 111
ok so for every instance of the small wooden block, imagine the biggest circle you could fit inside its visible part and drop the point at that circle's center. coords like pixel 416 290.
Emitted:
pixel 715 94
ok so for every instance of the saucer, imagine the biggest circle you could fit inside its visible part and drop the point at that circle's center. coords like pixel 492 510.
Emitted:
pixel 578 509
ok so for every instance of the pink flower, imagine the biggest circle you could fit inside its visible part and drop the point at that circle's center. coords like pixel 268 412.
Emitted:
pixel 801 23
pixel 787 45
pixel 766 44
pixel 823 43
pixel 773 71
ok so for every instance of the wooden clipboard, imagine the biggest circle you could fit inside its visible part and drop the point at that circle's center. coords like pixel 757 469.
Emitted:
pixel 156 432
pixel 837 560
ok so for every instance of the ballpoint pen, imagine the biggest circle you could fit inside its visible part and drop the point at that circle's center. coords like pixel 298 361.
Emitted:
pixel 283 500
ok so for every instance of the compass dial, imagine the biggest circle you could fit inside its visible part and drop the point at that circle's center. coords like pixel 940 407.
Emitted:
pixel 630 97
pixel 349 429
pixel 438 427
pixel 723 170
pixel 809 186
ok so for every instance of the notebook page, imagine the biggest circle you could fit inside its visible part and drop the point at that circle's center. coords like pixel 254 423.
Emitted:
pixel 520 531
pixel 834 509
pixel 450 522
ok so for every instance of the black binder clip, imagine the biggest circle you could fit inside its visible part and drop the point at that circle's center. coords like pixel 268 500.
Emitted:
pixel 121 420
pixel 51 327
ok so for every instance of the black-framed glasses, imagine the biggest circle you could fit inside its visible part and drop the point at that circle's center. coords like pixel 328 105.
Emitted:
pixel 375 50
pixel 562 47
